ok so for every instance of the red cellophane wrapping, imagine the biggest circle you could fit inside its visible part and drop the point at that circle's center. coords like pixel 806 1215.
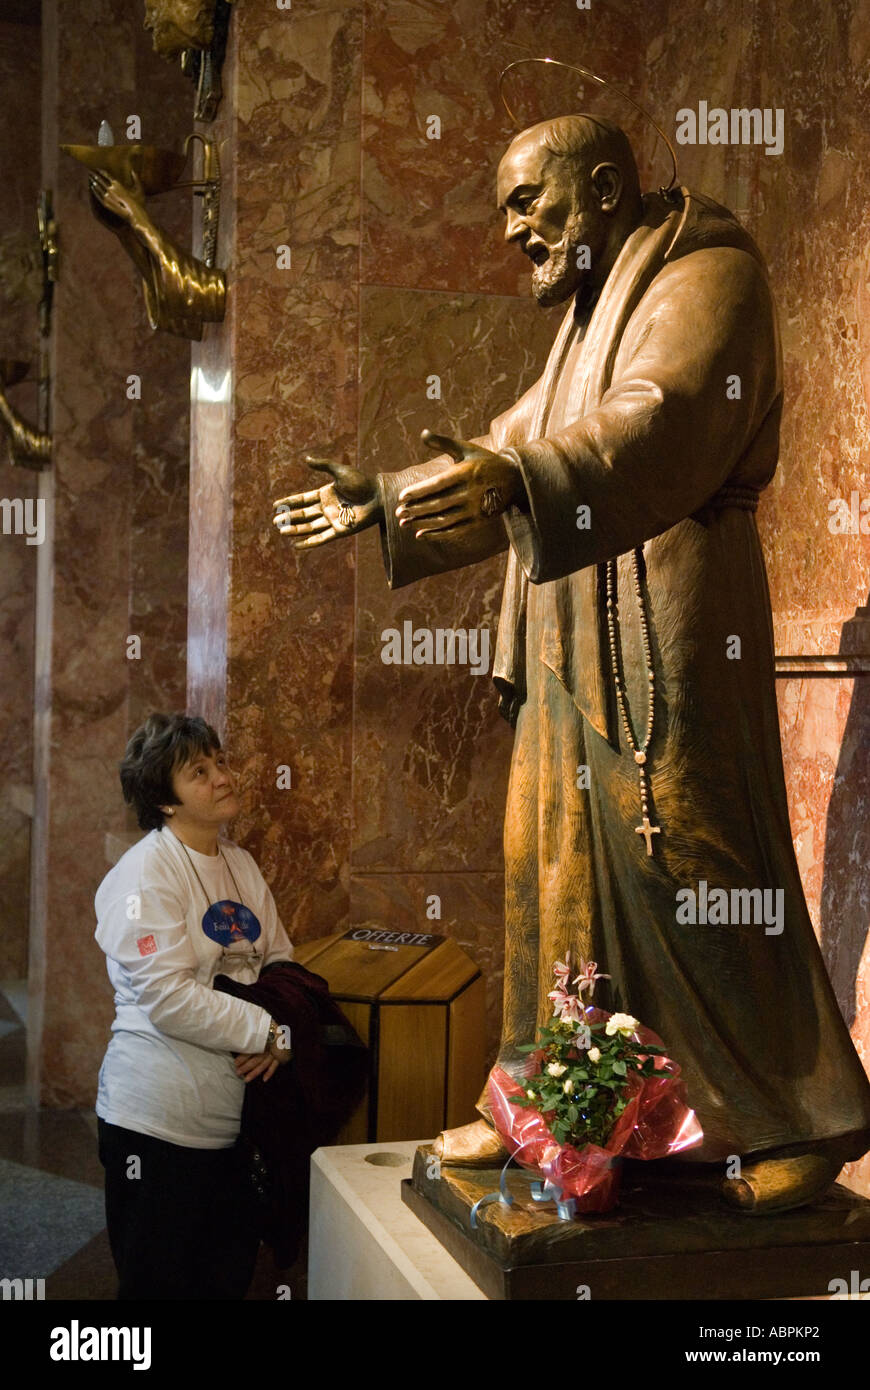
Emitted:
pixel 656 1123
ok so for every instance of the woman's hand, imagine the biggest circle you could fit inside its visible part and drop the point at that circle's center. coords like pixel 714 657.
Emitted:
pixel 253 1064
pixel 250 1065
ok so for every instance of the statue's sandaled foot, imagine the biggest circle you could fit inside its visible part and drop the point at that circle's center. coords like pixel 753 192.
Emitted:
pixel 475 1146
pixel 775 1184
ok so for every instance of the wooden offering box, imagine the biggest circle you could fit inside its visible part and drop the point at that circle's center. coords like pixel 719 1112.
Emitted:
pixel 417 1000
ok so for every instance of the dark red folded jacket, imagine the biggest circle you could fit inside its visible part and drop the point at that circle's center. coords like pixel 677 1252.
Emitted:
pixel 305 1102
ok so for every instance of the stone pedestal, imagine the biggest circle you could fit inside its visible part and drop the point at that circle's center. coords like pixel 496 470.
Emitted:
pixel 669 1238
pixel 364 1244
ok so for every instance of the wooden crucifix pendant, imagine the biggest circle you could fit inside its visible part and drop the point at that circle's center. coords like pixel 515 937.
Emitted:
pixel 647 830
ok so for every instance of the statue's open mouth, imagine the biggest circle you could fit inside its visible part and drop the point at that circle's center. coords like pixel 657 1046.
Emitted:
pixel 538 253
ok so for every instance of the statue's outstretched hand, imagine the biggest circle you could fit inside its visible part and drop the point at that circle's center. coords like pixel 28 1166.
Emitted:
pixel 480 484
pixel 341 508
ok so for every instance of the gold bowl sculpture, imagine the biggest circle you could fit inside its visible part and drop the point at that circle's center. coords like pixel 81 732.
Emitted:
pixel 157 169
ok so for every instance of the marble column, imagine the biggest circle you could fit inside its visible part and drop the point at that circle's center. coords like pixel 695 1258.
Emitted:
pixel 19 169
pixel 114 563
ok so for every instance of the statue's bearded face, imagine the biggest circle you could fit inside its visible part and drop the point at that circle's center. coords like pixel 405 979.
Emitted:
pixel 550 214
pixel 179 24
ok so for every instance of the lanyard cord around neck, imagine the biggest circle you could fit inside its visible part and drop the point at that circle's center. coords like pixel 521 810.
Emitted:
pixel 199 880
pixel 253 954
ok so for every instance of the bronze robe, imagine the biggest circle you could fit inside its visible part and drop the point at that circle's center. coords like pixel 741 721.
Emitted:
pixel 638 417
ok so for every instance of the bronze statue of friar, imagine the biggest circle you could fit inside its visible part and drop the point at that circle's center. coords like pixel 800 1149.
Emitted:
pixel 635 657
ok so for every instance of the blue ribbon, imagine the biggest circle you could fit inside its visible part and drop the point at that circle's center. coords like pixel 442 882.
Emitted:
pixel 549 1192
pixel 502 1195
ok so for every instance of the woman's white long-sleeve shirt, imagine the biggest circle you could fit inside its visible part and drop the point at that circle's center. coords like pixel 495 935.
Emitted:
pixel 168 1070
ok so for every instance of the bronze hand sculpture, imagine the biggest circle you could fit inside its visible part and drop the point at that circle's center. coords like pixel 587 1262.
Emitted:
pixel 182 292
pixel 341 508
pixel 482 485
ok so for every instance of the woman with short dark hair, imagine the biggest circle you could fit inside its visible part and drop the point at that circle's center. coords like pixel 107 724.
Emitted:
pixel 181 906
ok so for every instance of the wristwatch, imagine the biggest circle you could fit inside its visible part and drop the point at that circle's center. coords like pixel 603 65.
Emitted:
pixel 272 1040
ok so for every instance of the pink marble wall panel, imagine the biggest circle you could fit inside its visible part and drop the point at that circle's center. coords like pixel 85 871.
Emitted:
pixel 809 208
pixel 429 204
pixel 433 753
pixel 293 334
pixel 19 170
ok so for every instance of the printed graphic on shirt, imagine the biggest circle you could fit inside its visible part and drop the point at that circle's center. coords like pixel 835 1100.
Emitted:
pixel 227 921
pixel 147 945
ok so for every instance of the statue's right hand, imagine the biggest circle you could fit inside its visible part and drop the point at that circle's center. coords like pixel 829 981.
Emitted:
pixel 341 508
pixel 123 203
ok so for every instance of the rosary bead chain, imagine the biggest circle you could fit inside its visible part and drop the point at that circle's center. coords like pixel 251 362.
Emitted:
pixel 640 753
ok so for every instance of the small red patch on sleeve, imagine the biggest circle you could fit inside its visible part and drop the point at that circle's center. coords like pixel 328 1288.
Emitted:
pixel 147 945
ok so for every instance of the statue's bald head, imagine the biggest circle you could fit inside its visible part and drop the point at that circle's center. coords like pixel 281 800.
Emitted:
pixel 565 185
pixel 584 141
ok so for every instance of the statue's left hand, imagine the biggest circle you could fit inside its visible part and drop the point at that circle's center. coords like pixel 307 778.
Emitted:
pixel 479 485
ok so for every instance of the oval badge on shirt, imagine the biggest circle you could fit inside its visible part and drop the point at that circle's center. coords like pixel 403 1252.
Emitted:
pixel 227 921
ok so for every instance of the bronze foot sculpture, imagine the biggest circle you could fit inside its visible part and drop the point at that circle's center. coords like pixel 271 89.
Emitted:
pixel 777 1184
pixel 473 1146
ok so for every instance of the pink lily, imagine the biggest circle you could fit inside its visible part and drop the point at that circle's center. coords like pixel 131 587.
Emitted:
pixel 562 969
pixel 560 998
pixel 572 1010
pixel 587 977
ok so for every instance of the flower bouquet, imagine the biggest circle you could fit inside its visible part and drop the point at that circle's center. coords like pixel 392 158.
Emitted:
pixel 599 1087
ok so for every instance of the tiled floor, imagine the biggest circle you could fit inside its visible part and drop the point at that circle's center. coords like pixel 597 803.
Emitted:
pixel 52 1218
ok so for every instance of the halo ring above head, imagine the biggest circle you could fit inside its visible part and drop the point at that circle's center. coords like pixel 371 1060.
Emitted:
pixel 665 190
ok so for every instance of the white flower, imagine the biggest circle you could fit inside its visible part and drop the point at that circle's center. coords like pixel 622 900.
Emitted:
pixel 620 1023
pixel 556 1069
pixel 594 1054
pixel 530 1094
pixel 568 1086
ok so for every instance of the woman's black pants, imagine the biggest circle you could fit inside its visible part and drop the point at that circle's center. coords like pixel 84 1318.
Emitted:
pixel 182 1223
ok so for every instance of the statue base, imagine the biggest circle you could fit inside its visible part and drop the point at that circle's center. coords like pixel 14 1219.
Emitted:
pixel 670 1237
